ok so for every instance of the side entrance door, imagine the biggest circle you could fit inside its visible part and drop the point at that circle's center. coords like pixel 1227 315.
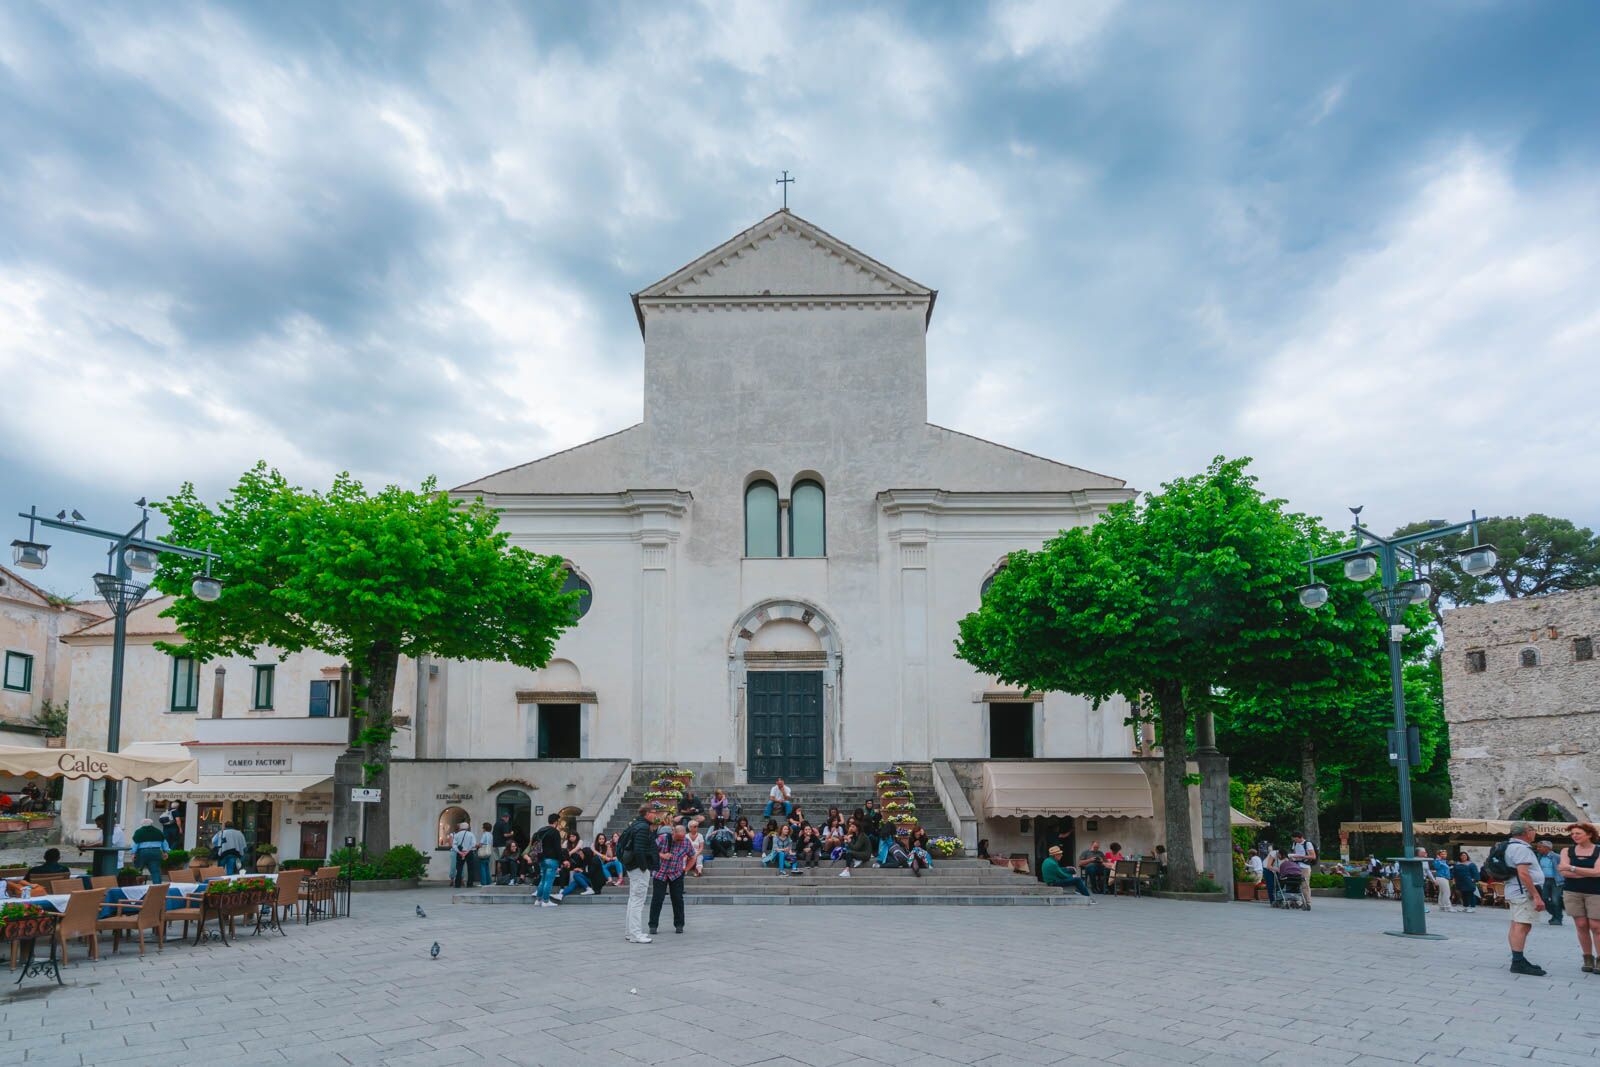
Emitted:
pixel 785 725
pixel 313 840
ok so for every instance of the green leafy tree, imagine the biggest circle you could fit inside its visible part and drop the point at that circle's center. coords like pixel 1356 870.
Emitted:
pixel 1539 554
pixel 367 577
pixel 1190 589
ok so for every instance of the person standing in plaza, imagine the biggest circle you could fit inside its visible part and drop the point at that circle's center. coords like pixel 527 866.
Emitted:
pixel 1522 894
pixel 229 847
pixel 639 855
pixel 462 845
pixel 1580 866
pixel 1551 890
pixel 552 852
pixel 1439 871
pixel 485 855
pixel 675 857
pixel 1465 875
pixel 149 848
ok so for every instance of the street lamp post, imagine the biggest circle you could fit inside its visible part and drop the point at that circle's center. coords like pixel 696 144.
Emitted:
pixel 127 553
pixel 1381 557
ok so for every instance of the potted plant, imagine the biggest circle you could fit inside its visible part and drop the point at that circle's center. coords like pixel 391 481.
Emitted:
pixel 946 847
pixel 52 718
pixel 200 857
pixel 178 857
pixel 266 857
pixel 1244 882
pixel 130 876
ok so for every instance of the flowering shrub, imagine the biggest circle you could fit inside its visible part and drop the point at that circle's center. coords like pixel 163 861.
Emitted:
pixel 15 910
pixel 945 846
pixel 240 885
pixel 891 794
pixel 887 784
pixel 664 797
pixel 892 772
pixel 901 819
pixel 899 806
pixel 680 773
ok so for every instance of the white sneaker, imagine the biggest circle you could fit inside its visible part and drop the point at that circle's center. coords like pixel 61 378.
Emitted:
pixel 845 873
pixel 587 893
pixel 642 939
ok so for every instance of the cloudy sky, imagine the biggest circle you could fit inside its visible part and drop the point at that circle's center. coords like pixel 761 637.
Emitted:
pixel 1360 243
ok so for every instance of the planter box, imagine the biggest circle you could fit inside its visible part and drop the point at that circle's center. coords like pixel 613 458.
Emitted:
pixel 382 885
pixel 1221 897
pixel 41 824
pixel 12 827
pixel 55 742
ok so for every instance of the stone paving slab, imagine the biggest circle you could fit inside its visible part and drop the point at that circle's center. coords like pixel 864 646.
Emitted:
pixel 1125 982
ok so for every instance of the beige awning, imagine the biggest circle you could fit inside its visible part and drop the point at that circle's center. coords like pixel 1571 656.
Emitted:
pixel 1094 790
pixel 243 786
pixel 1488 828
pixel 136 764
pixel 1239 818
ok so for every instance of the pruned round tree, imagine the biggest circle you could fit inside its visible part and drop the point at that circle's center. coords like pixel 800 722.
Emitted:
pixel 369 577
pixel 1184 591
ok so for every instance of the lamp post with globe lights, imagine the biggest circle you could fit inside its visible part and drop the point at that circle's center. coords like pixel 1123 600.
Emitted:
pixel 127 554
pixel 1382 557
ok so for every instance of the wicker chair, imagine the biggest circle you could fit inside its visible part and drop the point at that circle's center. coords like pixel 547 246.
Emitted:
pixel 288 897
pixel 190 909
pixel 205 874
pixel 148 914
pixel 78 921
pixel 103 881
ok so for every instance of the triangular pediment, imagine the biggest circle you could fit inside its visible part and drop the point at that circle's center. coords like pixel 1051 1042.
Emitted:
pixel 783 255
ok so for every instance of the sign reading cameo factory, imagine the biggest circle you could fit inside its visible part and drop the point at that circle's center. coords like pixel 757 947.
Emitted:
pixel 260 763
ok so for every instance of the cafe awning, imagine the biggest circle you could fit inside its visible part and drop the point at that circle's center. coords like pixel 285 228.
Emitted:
pixel 1093 790
pixel 242 787
pixel 167 763
pixel 1455 828
pixel 1239 818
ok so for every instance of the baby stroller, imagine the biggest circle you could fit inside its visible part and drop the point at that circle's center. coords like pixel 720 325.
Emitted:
pixel 1290 886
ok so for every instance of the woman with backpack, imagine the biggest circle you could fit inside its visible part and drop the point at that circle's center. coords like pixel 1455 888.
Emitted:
pixel 1580 866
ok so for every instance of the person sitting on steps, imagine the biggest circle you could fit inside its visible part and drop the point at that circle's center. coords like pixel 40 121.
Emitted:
pixel 743 837
pixel 779 794
pixel 1053 873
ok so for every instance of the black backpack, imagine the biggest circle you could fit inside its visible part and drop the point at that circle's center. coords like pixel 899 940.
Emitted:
pixel 1495 865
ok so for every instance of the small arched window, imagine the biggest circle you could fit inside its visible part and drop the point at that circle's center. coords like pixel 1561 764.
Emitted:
pixel 808 520
pixel 577 583
pixel 983 590
pixel 1530 658
pixel 761 519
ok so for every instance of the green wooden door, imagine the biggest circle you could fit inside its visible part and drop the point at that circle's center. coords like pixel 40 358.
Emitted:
pixel 785 725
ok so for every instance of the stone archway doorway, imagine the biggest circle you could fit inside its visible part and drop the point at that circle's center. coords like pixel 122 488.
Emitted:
pixel 784 673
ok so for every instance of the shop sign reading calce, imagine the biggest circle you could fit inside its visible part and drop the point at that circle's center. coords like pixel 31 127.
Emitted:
pixel 259 763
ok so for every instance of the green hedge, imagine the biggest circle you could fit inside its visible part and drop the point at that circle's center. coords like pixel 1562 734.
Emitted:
pixel 1327 881
pixel 400 862
pixel 301 865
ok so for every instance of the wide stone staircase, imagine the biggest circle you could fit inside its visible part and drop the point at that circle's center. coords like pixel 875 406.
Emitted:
pixel 741 880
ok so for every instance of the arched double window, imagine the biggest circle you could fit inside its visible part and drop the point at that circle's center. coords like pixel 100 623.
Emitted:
pixel 808 519
pixel 761 519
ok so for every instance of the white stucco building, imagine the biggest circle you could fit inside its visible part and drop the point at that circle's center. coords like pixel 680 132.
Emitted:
pixel 780 550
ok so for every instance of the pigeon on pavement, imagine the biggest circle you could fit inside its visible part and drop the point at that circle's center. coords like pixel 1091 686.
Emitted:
pixel 420 913
pixel 434 951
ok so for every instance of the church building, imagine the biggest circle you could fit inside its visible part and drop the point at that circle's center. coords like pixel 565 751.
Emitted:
pixel 774 561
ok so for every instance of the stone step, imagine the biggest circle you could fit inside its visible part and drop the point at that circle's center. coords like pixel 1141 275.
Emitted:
pixel 958 900
pixel 786 890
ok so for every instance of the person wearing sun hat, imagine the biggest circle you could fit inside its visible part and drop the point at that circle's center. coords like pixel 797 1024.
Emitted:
pixel 1054 874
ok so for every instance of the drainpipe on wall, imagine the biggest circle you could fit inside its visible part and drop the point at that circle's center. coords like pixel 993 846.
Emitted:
pixel 216 692
pixel 419 721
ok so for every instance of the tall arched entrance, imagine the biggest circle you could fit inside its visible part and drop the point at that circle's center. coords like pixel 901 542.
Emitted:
pixel 784 672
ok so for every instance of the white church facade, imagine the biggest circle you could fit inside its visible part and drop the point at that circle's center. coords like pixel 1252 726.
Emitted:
pixel 778 554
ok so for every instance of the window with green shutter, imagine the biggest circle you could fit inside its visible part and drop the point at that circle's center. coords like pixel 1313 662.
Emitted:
pixel 261 696
pixel 19 672
pixel 185 683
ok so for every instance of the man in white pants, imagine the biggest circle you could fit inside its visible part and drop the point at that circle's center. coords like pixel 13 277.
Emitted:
pixel 637 851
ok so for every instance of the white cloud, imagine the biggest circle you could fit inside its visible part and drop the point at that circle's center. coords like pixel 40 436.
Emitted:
pixel 1451 364
pixel 1061 36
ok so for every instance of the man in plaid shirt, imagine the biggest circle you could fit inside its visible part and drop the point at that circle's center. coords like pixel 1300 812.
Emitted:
pixel 677 853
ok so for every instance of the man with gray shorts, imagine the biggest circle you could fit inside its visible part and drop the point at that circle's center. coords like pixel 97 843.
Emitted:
pixel 1522 895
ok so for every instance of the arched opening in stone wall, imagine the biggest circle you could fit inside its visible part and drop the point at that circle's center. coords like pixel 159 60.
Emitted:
pixel 1542 809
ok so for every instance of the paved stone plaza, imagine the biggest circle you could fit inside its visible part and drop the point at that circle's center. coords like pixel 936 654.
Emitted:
pixel 1126 982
